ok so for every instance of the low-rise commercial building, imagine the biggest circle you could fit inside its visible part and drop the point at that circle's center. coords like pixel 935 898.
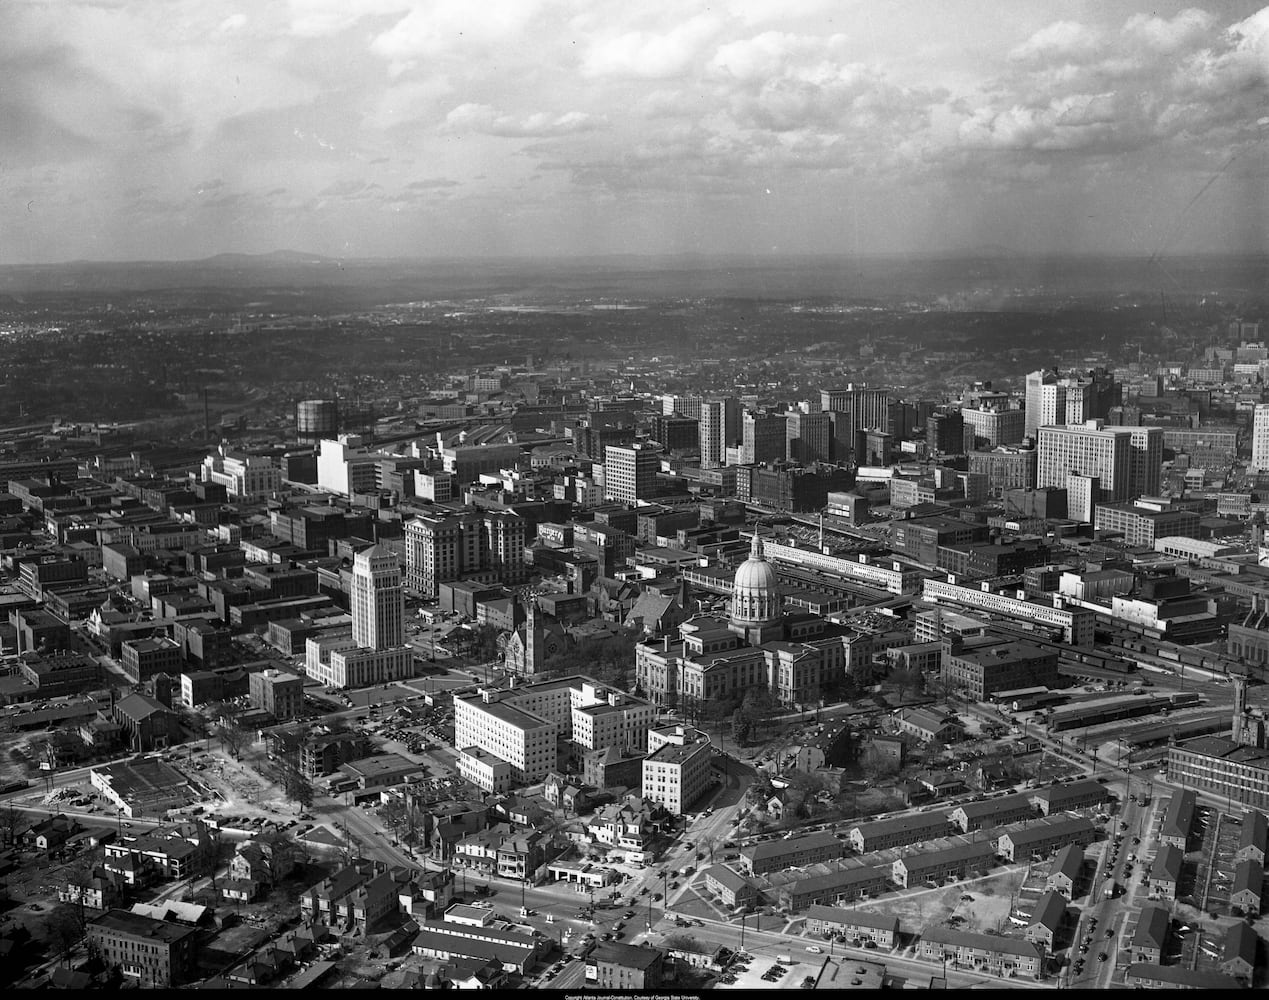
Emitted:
pixel 616 966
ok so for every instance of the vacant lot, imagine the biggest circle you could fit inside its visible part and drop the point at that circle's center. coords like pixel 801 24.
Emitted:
pixel 993 897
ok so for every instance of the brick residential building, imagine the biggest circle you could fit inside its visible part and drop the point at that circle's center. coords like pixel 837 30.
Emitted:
pixel 155 952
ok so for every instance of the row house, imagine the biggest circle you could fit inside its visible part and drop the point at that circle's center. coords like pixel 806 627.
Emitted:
pixel 1066 870
pixel 796 852
pixel 1040 839
pixel 730 886
pixel 1253 837
pixel 1165 870
pixel 1046 920
pixel 1069 796
pixel 1151 935
pixel 324 902
pixel 947 863
pixel 841 886
pixel 1152 976
pixel 1006 957
pixel 856 926
pixel 1248 887
pixel 988 813
pixel 914 828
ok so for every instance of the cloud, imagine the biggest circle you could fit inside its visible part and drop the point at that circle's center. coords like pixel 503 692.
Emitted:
pixel 1190 28
pixel 432 183
pixel 321 18
pixel 650 55
pixel 454 30
pixel 484 119
pixel 349 188
pixel 1067 41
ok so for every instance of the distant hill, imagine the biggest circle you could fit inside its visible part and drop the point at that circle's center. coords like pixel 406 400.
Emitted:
pixel 369 280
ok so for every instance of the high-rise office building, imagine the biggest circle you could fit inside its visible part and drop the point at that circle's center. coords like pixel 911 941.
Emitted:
pixel 762 437
pixel 1260 437
pixel 993 426
pixel 720 428
pixel 675 433
pixel 855 409
pixel 682 406
pixel 375 652
pixel 377 599
pixel 1145 472
pixel 630 474
pixel 1053 400
pixel 485 546
pixel 808 437
pixel 1127 461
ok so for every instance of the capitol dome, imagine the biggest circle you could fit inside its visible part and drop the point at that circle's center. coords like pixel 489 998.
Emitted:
pixel 756 590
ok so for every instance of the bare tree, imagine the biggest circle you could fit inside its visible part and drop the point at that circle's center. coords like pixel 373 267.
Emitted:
pixel 12 819
pixel 66 927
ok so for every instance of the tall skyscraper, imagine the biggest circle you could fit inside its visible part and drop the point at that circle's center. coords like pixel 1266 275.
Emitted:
pixel 1127 461
pixel 378 600
pixel 1260 437
pixel 720 428
pixel 1145 472
pixel 1052 400
pixel 855 409
pixel 630 474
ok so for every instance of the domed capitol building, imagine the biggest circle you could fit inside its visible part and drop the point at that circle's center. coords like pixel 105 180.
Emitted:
pixel 792 652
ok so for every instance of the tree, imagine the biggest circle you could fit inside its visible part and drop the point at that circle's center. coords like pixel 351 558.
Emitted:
pixel 296 786
pixel 905 679
pixel 682 942
pixel 12 820
pixel 758 706
pixel 740 727
pixel 485 643
pixel 66 927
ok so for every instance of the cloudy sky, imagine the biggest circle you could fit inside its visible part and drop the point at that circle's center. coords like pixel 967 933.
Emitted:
pixel 132 129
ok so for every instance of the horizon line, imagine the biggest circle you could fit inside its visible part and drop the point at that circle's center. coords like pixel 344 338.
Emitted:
pixel 304 257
